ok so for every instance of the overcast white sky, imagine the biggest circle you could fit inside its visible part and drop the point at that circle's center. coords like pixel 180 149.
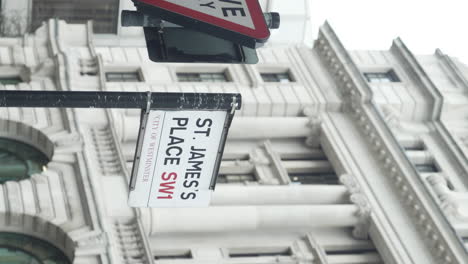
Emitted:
pixel 373 24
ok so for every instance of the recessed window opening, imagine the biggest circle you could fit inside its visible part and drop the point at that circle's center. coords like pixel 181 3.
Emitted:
pixel 427 168
pixel 350 251
pixel 416 146
pixel 282 77
pixel 313 168
pixel 313 155
pixel 202 77
pixel 237 253
pixel 234 157
pixel 173 255
pixel 123 76
pixel 10 80
pixel 381 77
pixel 19 161
pixel 314 178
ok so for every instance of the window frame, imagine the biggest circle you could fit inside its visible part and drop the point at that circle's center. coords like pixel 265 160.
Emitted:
pixel 122 70
pixel 389 74
pixel 434 168
pixel 9 72
pixel 260 252
pixel 227 79
pixel 137 74
pixel 275 77
pixel 263 70
pixel 17 80
pixel 244 171
pixel 173 255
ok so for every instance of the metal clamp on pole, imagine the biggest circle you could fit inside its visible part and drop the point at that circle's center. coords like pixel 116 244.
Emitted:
pixel 234 105
pixel 272 19
pixel 148 102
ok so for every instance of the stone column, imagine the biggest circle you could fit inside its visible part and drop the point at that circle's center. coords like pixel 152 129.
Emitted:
pixel 247 218
pixel 354 258
pixel 128 127
pixel 242 127
pixel 279 195
pixel 269 127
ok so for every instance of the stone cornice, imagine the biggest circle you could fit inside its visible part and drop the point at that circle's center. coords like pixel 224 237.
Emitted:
pixel 419 75
pixel 340 65
pixel 450 65
pixel 433 226
pixel 425 81
pixel 440 124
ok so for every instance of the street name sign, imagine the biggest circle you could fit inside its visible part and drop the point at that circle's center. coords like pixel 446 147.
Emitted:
pixel 177 157
pixel 180 141
pixel 240 21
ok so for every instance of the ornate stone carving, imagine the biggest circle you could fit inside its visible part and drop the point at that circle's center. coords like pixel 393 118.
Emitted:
pixel 330 51
pixel 72 140
pixel 452 203
pixel 130 244
pixel 361 230
pixel 315 125
pixel 105 150
pixel 94 243
pixel 391 117
pixel 88 66
pixel 97 239
pixel 348 181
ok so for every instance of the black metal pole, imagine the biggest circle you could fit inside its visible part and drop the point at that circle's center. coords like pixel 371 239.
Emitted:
pixel 82 99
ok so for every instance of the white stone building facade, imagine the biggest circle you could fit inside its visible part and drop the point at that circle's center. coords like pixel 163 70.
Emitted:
pixel 335 157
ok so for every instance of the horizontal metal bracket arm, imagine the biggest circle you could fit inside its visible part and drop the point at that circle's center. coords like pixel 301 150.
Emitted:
pixel 136 100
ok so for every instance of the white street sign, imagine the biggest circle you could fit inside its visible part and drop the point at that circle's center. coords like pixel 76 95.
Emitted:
pixel 177 158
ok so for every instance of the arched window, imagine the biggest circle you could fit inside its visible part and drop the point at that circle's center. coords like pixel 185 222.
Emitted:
pixel 19 161
pixel 19 248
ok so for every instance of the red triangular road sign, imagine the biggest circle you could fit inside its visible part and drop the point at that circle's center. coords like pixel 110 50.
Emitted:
pixel 244 17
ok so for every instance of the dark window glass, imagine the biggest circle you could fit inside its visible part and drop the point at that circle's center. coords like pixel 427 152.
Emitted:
pixel 19 161
pixel 350 251
pixel 202 77
pixel 184 255
pixel 313 178
pixel 416 147
pixel 431 167
pixel 286 253
pixel 10 80
pixel 311 169
pixel 381 77
pixel 18 248
pixel 283 77
pixel 123 77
